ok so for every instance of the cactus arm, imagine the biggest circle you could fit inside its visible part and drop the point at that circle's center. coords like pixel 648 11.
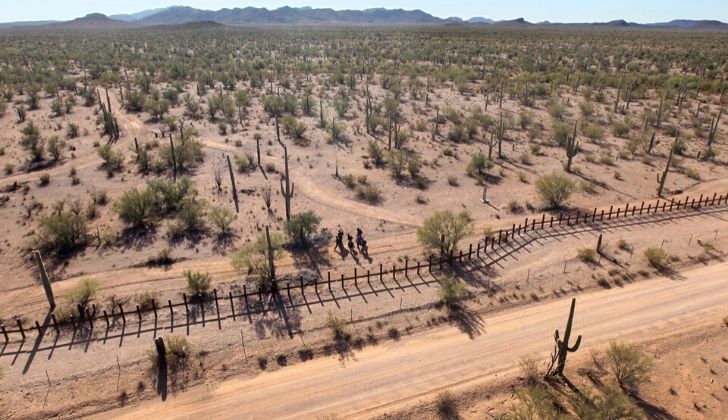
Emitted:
pixel 575 347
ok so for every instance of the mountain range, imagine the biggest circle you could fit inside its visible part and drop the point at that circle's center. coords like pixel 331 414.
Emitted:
pixel 252 16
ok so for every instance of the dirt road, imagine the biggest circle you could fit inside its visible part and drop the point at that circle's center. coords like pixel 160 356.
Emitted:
pixel 382 378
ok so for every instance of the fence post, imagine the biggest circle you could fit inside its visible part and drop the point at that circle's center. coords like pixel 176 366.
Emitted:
pixel 700 200
pixel 37 327
pixel 525 225
pixel 342 282
pixel 381 274
pixel 288 292
pixel 232 305
pixel 121 311
pixel 20 328
pixel 560 217
pixel 470 256
pixel 551 223
pixel 5 332
pixel 245 297
pixel 672 202
pixel 664 203
pixel 171 316
pixel 610 212
pixel 429 266
pixel 618 210
pixel 154 308
pixel 394 272
pixel 418 263
pixel 712 203
pixel 217 308
pixel 88 317
pixel 356 278
pixel 641 207
pixel 533 224
pixel 58 330
pixel 328 278
pixel 543 219
pixel 477 255
pixel 626 209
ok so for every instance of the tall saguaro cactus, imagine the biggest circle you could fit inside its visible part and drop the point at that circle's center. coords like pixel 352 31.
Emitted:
pixel 562 346
pixel 572 148
pixel 44 278
pixel 661 178
pixel 287 186
pixel 270 255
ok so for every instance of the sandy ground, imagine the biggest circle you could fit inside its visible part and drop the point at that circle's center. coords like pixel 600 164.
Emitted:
pixel 382 379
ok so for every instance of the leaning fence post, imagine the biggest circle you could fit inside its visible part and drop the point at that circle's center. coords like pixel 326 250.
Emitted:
pixel 245 297
pixel 356 278
pixel 37 327
pixel 232 305
pixel 418 263
pixel 5 332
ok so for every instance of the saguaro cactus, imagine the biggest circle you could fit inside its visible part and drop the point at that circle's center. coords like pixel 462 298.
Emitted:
pixel 271 264
pixel 287 186
pixel 562 346
pixel 661 178
pixel 44 278
pixel 572 148
pixel 232 182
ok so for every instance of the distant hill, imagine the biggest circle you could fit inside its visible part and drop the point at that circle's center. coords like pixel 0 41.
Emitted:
pixel 289 16
pixel 133 17
pixel 91 21
pixel 292 16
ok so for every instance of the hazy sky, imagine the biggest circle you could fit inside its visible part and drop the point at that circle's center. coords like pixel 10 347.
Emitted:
pixel 532 10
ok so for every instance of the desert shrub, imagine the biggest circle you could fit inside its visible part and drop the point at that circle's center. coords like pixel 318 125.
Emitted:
pixel 368 193
pixel 397 162
pixel 630 365
pixel 620 129
pixel 45 179
pixel 593 132
pixel 414 165
pixel 156 107
pixel 301 227
pixel 515 207
pixel 113 161
pixel 253 259
pixel 62 233
pixel 446 406
pixel 293 126
pixel 336 325
pixel 452 180
pixel 624 245
pixel 244 163
pixel 556 109
pixel 349 180
pixel 529 369
pixel 554 189
pixel 587 109
pixel 375 152
pixel 137 208
pixel 83 292
pixel 222 218
pixel 32 142
pixel 692 174
pixel 588 255
pixel 171 196
pixel 161 258
pixel 144 300
pixel 559 132
pixel 478 163
pixel 534 402
pixel 176 356
pixel 187 151
pixel 657 257
pixel 451 292
pixel 56 148
pixel 198 283
pixel 191 216
pixel 453 227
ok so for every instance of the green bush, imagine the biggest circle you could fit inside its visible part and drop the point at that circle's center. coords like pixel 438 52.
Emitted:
pixel 451 292
pixel 657 257
pixel 113 161
pixel 253 259
pixel 301 227
pixel 368 193
pixel 137 208
pixel 336 325
pixel 446 406
pixel 198 283
pixel 444 223
pixel 83 292
pixel 376 154
pixel 32 142
pixel 222 218
pixel 62 233
pixel 555 189
pixel 630 365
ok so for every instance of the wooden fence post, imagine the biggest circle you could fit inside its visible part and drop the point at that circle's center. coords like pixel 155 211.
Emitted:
pixel 121 311
pixel 171 316
pixel 217 308
pixel 20 328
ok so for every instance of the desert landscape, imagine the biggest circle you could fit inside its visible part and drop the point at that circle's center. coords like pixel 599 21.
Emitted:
pixel 353 219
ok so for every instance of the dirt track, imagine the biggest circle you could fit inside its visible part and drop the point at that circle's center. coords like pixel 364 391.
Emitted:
pixel 380 379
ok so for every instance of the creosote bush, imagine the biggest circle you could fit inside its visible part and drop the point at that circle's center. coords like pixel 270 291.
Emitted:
pixel 555 189
pixel 301 227
pixel 62 233
pixel 451 292
pixel 657 257
pixel 83 292
pixel 198 283
pixel 630 365
pixel 444 225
